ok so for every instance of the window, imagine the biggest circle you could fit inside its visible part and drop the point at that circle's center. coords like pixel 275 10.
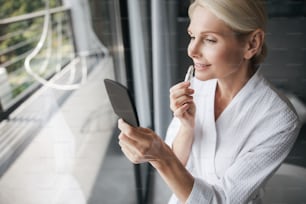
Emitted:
pixel 22 28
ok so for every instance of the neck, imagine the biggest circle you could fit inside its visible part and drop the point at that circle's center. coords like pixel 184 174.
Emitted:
pixel 229 86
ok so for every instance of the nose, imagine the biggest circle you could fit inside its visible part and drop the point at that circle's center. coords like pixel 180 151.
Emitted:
pixel 194 49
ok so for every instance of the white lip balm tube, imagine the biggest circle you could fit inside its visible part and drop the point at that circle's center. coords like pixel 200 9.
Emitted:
pixel 189 73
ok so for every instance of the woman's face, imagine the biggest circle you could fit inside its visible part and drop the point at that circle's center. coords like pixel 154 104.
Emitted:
pixel 214 48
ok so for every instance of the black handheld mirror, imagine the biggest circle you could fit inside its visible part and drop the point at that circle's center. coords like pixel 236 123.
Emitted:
pixel 122 102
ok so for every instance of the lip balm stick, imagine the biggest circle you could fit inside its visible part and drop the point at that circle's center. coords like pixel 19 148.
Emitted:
pixel 189 73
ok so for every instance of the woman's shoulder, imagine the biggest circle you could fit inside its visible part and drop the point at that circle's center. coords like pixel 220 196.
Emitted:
pixel 262 103
pixel 269 112
pixel 274 103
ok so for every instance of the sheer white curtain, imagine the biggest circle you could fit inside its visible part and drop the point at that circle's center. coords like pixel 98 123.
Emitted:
pixel 164 59
pixel 140 61
pixel 153 71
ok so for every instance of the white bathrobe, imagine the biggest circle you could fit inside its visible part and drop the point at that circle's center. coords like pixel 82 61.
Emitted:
pixel 231 158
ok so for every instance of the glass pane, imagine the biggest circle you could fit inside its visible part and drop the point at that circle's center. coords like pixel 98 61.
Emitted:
pixel 18 7
pixel 19 39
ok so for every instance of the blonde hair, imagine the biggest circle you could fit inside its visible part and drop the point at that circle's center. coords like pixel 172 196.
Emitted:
pixel 242 16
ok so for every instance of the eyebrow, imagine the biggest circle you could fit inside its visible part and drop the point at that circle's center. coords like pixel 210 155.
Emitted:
pixel 205 32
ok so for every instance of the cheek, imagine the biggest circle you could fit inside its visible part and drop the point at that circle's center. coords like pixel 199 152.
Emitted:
pixel 229 57
pixel 214 54
pixel 220 56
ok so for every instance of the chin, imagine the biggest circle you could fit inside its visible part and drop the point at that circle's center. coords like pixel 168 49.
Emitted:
pixel 203 77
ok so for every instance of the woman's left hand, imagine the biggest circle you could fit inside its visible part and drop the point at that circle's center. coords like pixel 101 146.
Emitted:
pixel 139 144
pixel 143 145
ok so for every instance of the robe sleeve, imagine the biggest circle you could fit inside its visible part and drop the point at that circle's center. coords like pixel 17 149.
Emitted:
pixel 172 131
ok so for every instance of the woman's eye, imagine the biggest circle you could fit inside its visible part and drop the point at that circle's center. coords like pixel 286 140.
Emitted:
pixel 210 40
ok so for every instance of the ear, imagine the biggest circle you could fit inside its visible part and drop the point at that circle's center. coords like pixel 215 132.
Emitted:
pixel 254 43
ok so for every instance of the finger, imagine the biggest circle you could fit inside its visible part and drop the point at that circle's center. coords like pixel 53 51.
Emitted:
pixel 135 156
pixel 179 86
pixel 132 156
pixel 181 111
pixel 127 129
pixel 122 125
pixel 182 100
pixel 134 133
pixel 141 147
pixel 185 111
pixel 175 104
pixel 180 92
pixel 124 139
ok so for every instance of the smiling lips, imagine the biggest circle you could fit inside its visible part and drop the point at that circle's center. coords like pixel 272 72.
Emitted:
pixel 200 67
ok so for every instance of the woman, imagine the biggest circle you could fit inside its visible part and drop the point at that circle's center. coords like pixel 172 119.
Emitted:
pixel 231 129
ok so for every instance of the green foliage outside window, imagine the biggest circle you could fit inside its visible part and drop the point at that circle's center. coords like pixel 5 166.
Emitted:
pixel 18 39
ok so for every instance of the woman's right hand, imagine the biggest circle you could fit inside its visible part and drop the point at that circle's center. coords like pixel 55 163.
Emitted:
pixel 182 104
